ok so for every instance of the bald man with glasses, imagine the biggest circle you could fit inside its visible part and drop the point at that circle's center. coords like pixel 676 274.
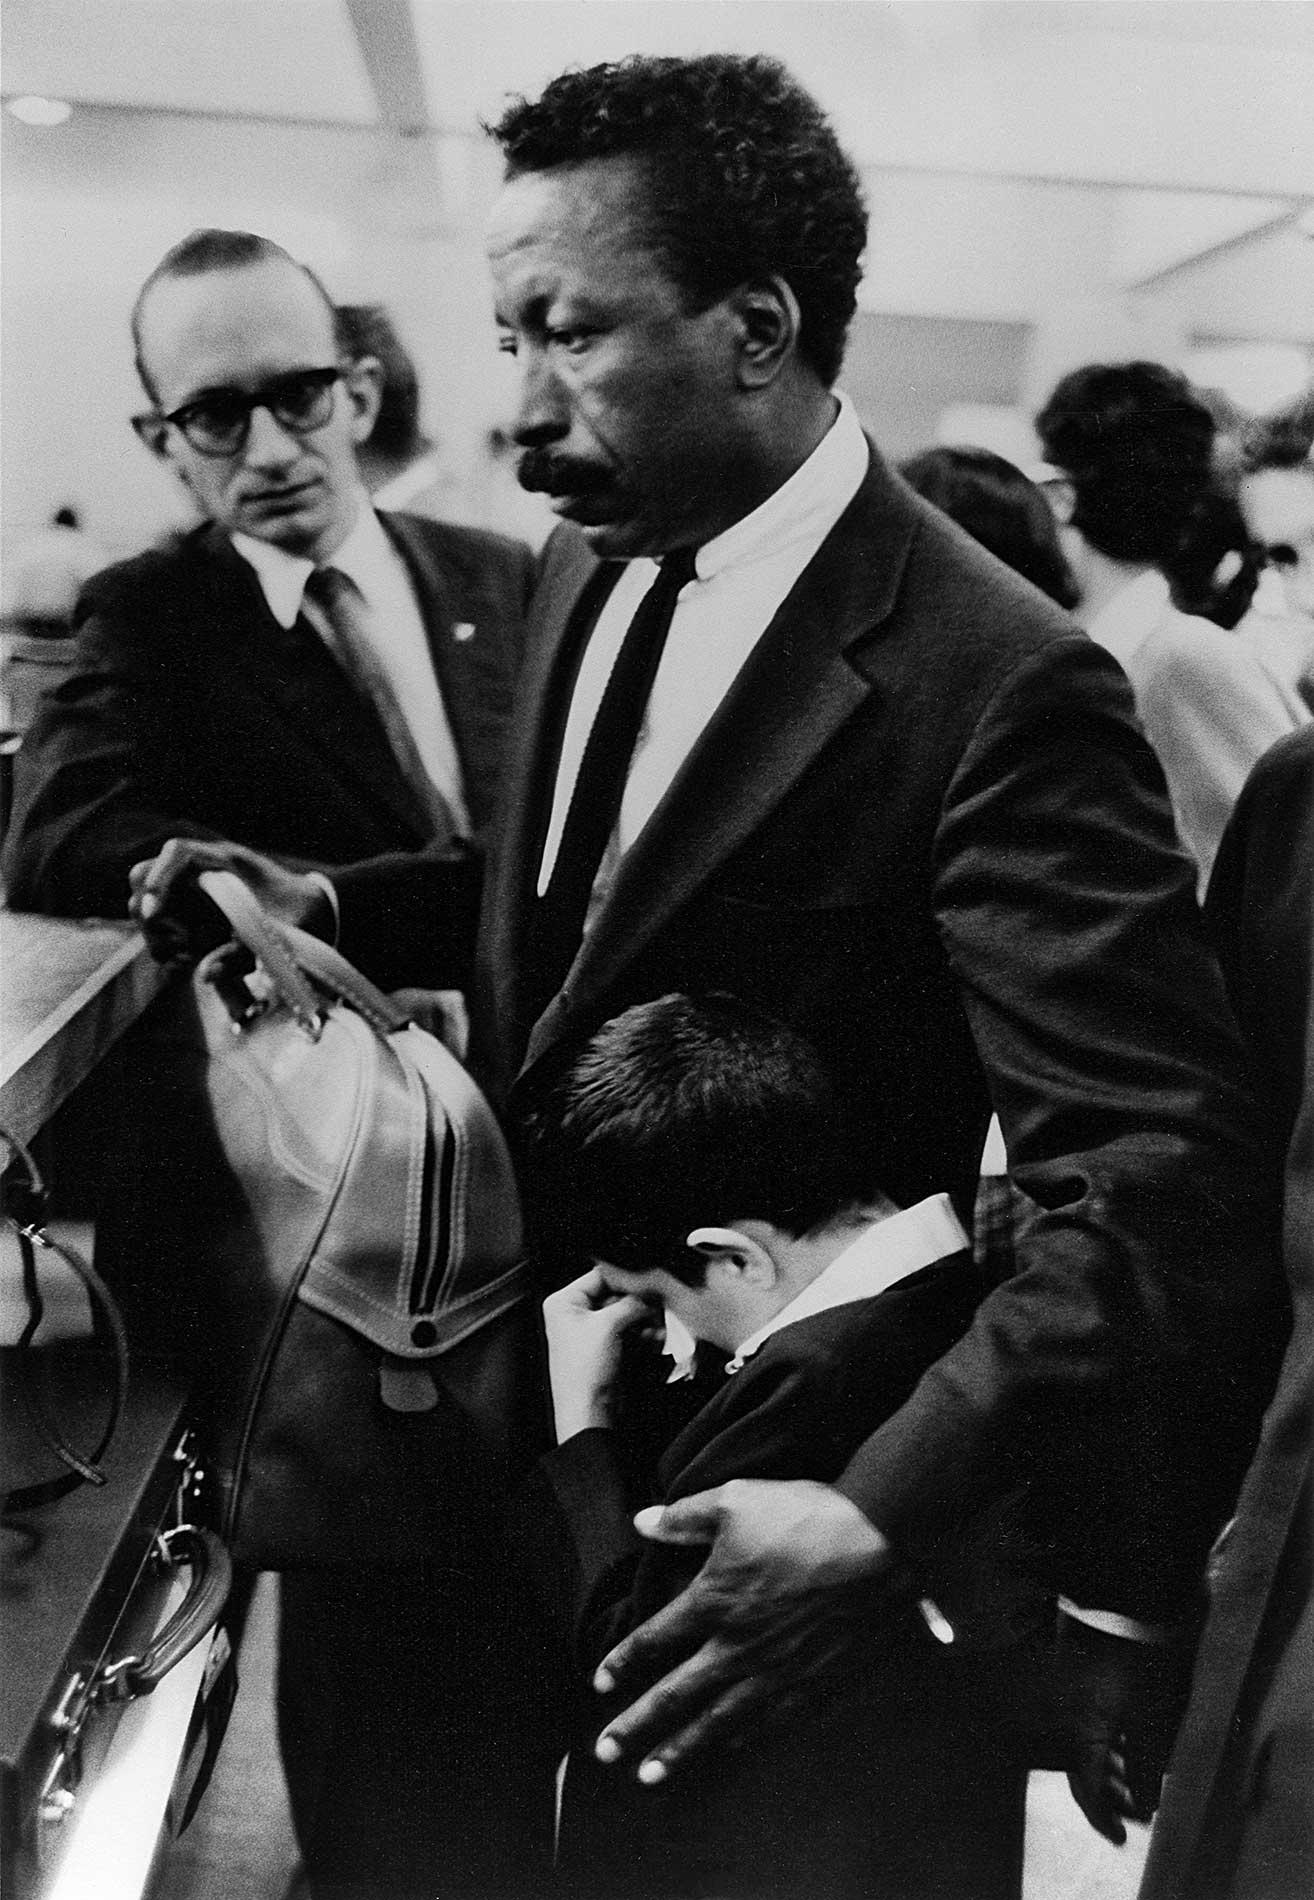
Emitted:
pixel 300 683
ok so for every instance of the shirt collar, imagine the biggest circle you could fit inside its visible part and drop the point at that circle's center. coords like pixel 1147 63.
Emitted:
pixel 1131 615
pixel 882 1255
pixel 806 506
pixel 283 576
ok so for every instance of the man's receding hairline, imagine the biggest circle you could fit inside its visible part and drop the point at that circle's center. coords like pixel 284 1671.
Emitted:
pixel 226 267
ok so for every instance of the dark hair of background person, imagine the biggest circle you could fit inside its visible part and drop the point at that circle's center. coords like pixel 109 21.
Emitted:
pixel 1001 508
pixel 746 177
pixel 1136 443
pixel 366 329
pixel 205 250
pixel 676 1113
pixel 1214 569
pixel 1282 440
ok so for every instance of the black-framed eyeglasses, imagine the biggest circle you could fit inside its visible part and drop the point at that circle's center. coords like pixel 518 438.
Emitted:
pixel 219 422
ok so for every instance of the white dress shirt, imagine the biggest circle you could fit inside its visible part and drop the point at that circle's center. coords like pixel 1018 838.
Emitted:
pixel 742 578
pixel 371 561
pixel 1207 705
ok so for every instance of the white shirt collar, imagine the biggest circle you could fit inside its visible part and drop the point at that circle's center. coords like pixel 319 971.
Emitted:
pixel 807 505
pixel 882 1255
pixel 1131 616
pixel 283 576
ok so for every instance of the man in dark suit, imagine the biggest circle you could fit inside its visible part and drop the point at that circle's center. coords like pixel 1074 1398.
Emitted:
pixel 1237 1817
pixel 213 698
pixel 887 792
pixel 303 683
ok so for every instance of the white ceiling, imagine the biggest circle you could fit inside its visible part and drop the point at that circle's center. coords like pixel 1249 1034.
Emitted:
pixel 1180 94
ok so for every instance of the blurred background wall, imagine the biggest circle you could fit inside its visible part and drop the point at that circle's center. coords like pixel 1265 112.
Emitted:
pixel 1049 182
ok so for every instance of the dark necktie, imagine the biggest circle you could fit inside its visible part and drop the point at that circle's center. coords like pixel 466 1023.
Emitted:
pixel 595 802
pixel 343 607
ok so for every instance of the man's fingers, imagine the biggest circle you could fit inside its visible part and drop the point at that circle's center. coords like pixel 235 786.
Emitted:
pixel 1092 1797
pixel 695 1695
pixel 678 1627
pixel 720 1726
pixel 692 1520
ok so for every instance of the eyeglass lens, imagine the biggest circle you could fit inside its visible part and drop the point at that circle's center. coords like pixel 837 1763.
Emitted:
pixel 218 423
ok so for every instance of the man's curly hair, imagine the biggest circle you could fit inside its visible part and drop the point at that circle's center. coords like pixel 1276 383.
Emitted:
pixel 1136 442
pixel 747 178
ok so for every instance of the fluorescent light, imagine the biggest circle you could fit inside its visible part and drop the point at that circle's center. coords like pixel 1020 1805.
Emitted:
pixel 33 109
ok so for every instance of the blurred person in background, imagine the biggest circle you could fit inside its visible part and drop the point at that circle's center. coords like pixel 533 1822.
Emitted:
pixel 1277 500
pixel 1237 1821
pixel 297 685
pixel 42 580
pixel 1001 508
pixel 399 463
pixel 1132 446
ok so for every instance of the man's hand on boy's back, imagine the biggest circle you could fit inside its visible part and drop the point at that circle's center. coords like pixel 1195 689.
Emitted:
pixel 781 1601
pixel 585 1323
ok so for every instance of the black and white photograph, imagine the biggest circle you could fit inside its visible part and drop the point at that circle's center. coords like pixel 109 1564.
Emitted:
pixel 657 949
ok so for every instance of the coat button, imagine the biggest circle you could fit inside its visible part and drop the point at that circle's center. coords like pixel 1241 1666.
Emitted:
pixel 424 1333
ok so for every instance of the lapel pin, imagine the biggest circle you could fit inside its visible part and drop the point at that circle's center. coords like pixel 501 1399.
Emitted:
pixel 463 630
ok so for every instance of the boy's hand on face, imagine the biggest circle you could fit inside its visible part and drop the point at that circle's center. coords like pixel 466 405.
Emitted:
pixel 585 1322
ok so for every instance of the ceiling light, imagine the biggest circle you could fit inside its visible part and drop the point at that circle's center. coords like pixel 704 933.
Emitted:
pixel 33 109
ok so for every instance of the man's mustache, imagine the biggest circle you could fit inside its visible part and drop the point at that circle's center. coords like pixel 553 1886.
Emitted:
pixel 542 473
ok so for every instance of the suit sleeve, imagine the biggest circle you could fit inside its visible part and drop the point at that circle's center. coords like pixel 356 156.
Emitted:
pixel 602 1578
pixel 1121 1371
pixel 90 795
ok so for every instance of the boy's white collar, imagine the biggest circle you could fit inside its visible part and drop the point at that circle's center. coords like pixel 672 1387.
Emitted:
pixel 884 1253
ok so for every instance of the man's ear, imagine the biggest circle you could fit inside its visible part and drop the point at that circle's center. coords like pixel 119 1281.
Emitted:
pixel 1062 499
pixel 363 383
pixel 153 430
pixel 734 1251
pixel 769 321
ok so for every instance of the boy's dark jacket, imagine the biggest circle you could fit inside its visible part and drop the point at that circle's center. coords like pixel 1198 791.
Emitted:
pixel 888 1788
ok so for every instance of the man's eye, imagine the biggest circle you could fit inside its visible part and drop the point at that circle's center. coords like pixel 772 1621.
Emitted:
pixel 218 414
pixel 572 340
pixel 507 344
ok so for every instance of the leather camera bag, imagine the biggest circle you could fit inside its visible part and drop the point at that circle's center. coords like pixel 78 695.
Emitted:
pixel 346 1254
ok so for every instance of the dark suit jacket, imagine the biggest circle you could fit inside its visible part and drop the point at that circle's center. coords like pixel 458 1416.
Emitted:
pixel 924 827
pixel 192 712
pixel 890 1788
pixel 1238 1808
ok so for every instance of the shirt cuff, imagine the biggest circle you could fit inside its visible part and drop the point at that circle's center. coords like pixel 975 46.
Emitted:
pixel 1112 1624
pixel 325 886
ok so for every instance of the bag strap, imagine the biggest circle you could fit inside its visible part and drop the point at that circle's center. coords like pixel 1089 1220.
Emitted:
pixel 291 955
pixel 26 1216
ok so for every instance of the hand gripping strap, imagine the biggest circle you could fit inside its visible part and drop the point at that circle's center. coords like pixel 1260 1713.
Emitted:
pixel 290 956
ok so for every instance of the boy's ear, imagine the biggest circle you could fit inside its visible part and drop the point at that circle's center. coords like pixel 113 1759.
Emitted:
pixel 735 1251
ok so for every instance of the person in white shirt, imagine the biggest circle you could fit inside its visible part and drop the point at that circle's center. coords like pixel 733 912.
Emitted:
pixel 1132 444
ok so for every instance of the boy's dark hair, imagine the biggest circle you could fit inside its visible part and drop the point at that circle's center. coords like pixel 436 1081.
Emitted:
pixel 1136 442
pixel 746 177
pixel 209 249
pixel 366 329
pixel 678 1113
pixel 999 507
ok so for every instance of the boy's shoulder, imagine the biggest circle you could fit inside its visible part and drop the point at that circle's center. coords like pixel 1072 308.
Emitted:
pixel 814 1390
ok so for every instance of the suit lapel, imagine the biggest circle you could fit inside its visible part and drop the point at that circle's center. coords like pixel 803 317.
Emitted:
pixel 293 672
pixel 468 661
pixel 793 695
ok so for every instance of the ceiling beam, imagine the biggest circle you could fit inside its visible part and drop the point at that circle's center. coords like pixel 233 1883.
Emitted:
pixel 385 33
